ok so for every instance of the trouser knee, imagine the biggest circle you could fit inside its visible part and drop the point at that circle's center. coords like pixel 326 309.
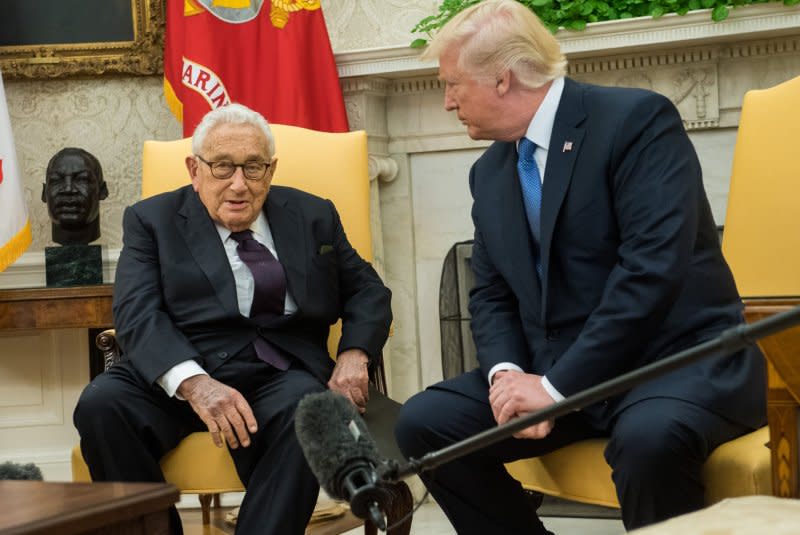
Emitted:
pixel 414 429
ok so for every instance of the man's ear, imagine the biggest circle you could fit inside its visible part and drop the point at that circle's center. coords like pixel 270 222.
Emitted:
pixel 503 82
pixel 44 191
pixel 103 193
pixel 191 166
pixel 273 165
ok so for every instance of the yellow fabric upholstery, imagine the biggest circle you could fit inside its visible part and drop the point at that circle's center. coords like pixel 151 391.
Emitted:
pixel 212 470
pixel 330 165
pixel 761 240
pixel 762 245
pixel 579 471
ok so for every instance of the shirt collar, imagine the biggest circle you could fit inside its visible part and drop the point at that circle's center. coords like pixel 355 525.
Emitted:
pixel 541 128
pixel 259 227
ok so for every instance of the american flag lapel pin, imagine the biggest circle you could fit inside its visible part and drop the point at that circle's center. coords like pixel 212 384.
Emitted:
pixel 567 146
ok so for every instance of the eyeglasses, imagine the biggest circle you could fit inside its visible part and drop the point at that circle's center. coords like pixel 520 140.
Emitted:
pixel 224 169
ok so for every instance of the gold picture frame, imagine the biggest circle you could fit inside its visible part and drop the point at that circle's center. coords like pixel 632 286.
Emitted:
pixel 141 56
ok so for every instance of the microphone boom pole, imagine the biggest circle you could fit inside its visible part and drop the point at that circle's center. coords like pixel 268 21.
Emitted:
pixel 730 341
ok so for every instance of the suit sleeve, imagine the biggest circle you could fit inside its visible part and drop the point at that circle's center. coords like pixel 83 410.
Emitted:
pixel 656 186
pixel 494 310
pixel 145 331
pixel 366 302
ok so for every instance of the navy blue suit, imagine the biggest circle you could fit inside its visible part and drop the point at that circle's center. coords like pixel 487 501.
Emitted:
pixel 632 272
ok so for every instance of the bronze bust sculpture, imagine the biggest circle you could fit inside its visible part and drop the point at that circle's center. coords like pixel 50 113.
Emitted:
pixel 73 189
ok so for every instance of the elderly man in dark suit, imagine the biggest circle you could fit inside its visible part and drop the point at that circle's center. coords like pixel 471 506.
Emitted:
pixel 224 294
pixel 595 253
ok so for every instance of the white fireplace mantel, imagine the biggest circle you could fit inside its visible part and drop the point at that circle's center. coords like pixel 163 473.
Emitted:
pixel 606 38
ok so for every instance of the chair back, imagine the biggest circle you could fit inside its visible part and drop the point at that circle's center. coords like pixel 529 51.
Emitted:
pixel 761 241
pixel 330 165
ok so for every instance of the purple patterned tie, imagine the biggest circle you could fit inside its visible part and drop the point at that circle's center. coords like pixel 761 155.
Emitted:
pixel 269 290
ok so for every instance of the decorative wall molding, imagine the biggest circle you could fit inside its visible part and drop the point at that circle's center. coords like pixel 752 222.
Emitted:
pixel 40 353
pixel 29 270
pixel 606 38
pixel 383 168
pixel 672 30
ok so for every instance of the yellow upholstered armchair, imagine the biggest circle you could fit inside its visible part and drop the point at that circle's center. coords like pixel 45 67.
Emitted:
pixel 762 245
pixel 333 166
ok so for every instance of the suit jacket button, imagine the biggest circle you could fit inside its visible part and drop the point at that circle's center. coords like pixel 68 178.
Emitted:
pixel 222 354
pixel 551 334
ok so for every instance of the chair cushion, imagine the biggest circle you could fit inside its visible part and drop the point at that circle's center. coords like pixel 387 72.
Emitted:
pixel 195 466
pixel 579 471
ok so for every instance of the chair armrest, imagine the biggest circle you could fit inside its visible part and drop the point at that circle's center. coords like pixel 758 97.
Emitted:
pixel 106 342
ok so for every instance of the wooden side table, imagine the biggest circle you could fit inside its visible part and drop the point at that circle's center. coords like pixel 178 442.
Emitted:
pixel 44 508
pixel 59 308
pixel 782 351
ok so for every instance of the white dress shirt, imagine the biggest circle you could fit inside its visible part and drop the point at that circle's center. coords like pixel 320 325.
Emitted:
pixel 539 131
pixel 245 287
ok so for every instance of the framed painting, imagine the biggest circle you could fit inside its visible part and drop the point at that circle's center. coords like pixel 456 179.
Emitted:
pixel 59 38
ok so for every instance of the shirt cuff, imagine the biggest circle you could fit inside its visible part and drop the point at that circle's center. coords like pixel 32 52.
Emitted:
pixel 502 366
pixel 550 389
pixel 174 376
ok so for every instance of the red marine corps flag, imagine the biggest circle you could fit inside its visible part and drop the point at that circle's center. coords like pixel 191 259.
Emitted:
pixel 271 55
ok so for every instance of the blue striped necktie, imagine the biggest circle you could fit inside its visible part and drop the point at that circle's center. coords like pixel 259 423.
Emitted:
pixel 531 184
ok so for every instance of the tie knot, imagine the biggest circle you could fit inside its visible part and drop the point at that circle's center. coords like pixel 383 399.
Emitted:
pixel 526 148
pixel 242 235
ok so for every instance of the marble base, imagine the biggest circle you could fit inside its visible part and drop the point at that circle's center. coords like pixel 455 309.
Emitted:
pixel 73 265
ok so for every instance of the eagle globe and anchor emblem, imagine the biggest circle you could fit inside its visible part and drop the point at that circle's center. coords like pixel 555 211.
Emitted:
pixel 239 11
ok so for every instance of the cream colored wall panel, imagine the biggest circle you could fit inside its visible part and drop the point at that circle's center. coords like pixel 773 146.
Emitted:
pixel 43 433
pixel 720 143
pixel 441 204
pixel 30 381
pixel 359 24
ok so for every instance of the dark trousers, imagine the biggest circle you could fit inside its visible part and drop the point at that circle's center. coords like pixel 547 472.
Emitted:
pixel 656 450
pixel 127 425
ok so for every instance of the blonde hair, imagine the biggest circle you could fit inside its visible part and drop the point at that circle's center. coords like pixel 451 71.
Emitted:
pixel 232 114
pixel 499 35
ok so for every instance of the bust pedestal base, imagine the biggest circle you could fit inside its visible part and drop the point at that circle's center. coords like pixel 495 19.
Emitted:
pixel 73 265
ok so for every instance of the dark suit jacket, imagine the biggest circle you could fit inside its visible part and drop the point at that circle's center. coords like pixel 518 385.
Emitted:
pixel 632 268
pixel 175 295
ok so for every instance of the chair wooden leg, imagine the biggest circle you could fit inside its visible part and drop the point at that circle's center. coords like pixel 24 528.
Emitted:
pixel 205 506
pixel 217 501
pixel 401 505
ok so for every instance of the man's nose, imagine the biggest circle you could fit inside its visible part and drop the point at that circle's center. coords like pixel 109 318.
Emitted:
pixel 238 181
pixel 69 184
pixel 449 102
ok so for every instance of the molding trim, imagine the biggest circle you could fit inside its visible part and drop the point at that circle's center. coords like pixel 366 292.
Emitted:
pixel 604 38
pixel 676 30
pixel 29 270
pixel 383 168
pixel 48 409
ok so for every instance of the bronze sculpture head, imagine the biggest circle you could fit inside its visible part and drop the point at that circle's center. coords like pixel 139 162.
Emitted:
pixel 73 189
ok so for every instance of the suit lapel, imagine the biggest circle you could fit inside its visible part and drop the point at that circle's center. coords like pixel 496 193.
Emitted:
pixel 202 240
pixel 565 144
pixel 286 225
pixel 519 245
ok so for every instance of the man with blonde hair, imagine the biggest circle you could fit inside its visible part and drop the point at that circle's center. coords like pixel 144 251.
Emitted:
pixel 595 253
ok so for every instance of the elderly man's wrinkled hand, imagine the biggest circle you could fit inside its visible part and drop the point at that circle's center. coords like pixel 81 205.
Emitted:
pixel 351 377
pixel 223 409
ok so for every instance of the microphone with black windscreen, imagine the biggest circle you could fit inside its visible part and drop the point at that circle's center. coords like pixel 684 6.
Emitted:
pixel 341 453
